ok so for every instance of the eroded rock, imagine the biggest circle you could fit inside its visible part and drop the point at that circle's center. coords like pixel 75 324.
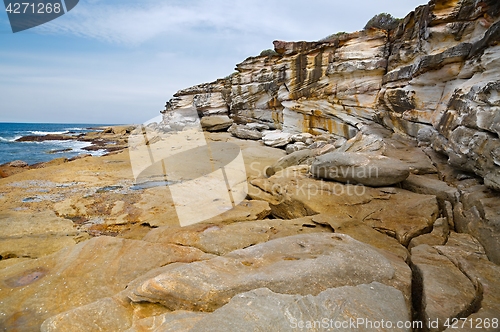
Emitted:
pixel 442 291
pixel 301 264
pixel 375 171
pixel 396 212
pixel 261 309
pixel 35 290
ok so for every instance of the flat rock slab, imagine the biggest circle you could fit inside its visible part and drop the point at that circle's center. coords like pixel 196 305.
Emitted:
pixel 301 264
pixel 358 168
pixel 222 238
pixel 32 235
pixel 263 310
pixel 445 291
pixel 465 251
pixel 178 321
pixel 362 233
pixel 35 290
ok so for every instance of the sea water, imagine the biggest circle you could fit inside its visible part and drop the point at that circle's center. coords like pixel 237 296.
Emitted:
pixel 35 152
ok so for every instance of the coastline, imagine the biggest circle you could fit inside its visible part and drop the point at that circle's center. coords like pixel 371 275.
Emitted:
pixel 102 139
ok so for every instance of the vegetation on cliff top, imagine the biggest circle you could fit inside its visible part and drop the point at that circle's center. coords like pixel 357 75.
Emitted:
pixel 268 52
pixel 382 21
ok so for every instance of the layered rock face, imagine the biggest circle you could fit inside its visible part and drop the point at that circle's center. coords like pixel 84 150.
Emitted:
pixel 434 78
pixel 373 215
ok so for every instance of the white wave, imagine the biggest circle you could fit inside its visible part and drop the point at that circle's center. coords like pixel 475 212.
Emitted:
pixel 76 129
pixel 42 133
pixel 3 139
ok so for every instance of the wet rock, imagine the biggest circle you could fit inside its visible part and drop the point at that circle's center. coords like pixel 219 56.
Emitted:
pixel 48 137
pixel 442 291
pixel 17 163
pixel 216 122
pixel 375 171
pixel 286 265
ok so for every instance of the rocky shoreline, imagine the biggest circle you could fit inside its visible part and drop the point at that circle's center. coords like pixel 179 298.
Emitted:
pixel 82 249
pixel 107 139
pixel 371 199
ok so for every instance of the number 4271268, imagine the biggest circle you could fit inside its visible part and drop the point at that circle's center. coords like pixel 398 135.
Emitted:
pixel 32 8
pixel 477 323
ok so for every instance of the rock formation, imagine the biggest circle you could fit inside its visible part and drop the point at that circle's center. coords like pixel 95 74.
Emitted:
pixel 433 80
pixel 372 164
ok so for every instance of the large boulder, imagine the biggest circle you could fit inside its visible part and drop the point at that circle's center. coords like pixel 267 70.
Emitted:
pixel 301 264
pixel 366 169
pixel 333 309
pixel 444 292
pixel 244 132
pixel 293 159
pixel 216 122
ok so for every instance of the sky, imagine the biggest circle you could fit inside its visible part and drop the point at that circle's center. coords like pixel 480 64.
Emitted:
pixel 119 61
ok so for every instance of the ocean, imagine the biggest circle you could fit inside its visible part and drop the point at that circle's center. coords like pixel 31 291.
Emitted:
pixel 36 152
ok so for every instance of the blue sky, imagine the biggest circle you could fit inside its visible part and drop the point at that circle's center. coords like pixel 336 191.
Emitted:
pixel 119 61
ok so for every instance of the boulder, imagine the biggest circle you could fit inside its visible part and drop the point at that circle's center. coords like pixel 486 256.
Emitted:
pixel 276 138
pixel 244 132
pixel 343 224
pixel 293 159
pixel 443 291
pixel 216 122
pixel 300 264
pixel 466 252
pixel 264 310
pixel 438 236
pixel 370 170
pixel 422 184
pixel 297 146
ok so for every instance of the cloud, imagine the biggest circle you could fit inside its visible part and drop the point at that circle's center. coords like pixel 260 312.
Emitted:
pixel 134 23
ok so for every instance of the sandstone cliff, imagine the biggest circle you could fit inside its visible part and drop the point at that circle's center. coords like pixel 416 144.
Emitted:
pixel 434 78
